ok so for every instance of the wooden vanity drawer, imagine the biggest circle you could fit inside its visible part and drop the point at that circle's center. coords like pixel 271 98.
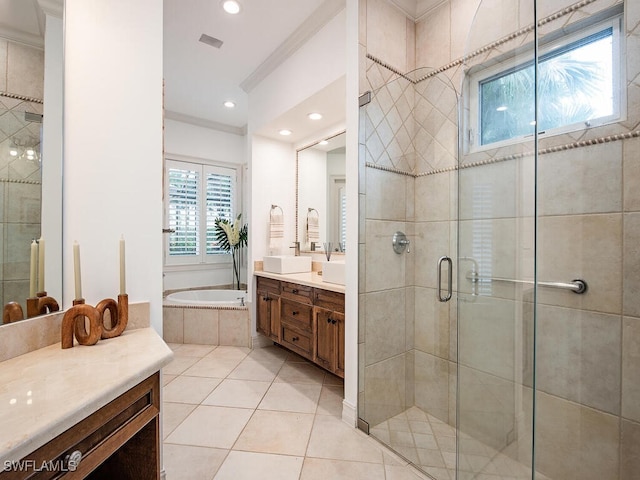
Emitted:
pixel 122 435
pixel 329 300
pixel 299 293
pixel 268 285
pixel 298 342
pixel 296 314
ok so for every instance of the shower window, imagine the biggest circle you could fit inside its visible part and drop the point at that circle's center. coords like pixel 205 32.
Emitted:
pixel 578 86
pixel 196 195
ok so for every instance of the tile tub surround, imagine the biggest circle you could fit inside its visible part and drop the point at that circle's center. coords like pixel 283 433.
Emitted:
pixel 275 417
pixel 42 401
pixel 207 325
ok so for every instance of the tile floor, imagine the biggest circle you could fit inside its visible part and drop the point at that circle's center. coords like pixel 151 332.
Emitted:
pixel 431 443
pixel 235 413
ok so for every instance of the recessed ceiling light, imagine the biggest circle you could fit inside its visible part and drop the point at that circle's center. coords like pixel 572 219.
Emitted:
pixel 314 116
pixel 323 142
pixel 231 6
pixel 229 104
pixel 285 132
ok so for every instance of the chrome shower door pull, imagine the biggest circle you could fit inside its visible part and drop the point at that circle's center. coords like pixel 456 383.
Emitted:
pixel 442 260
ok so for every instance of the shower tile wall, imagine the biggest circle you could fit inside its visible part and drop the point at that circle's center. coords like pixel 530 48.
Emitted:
pixel 588 350
pixel 21 73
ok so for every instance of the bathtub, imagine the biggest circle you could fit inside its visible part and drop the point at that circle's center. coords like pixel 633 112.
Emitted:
pixel 214 298
pixel 207 317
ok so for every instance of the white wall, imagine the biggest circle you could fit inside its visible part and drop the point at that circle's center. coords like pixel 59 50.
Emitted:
pixel 113 148
pixel 202 144
pixel 52 155
pixel 312 177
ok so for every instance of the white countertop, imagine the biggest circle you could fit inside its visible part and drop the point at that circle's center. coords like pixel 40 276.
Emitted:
pixel 47 391
pixel 310 279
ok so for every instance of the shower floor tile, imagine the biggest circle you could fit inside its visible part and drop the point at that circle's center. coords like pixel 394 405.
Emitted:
pixel 430 444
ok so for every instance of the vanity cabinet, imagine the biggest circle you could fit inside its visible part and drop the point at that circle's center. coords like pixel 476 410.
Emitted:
pixel 121 440
pixel 268 308
pixel 329 321
pixel 309 321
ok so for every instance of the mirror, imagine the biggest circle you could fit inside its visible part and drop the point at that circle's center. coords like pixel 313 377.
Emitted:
pixel 320 194
pixel 30 148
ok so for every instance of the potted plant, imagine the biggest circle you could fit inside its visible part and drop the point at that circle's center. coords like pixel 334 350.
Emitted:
pixel 231 237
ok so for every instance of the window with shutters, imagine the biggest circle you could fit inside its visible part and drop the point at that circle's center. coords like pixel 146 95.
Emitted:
pixel 195 195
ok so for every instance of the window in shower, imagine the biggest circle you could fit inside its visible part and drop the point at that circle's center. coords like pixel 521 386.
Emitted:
pixel 578 86
pixel 196 194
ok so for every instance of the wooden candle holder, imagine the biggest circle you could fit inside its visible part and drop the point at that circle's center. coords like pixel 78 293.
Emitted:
pixel 41 304
pixel 75 321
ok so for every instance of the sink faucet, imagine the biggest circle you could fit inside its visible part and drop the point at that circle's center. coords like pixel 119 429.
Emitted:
pixel 296 245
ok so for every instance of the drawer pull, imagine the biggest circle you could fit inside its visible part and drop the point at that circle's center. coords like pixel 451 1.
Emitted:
pixel 295 290
pixel 295 339
pixel 328 320
pixel 333 322
pixel 73 460
pixel 294 313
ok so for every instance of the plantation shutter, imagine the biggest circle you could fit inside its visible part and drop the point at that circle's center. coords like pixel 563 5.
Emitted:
pixel 219 201
pixel 184 210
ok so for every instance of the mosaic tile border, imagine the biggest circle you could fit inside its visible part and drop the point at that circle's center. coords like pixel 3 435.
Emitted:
pixel 486 48
pixel 21 97
pixel 568 146
pixel 12 180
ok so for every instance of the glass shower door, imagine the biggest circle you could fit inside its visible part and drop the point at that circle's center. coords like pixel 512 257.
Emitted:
pixel 496 248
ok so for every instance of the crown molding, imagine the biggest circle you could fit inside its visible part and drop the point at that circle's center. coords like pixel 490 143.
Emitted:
pixel 312 25
pixel 55 8
pixel 416 10
pixel 201 122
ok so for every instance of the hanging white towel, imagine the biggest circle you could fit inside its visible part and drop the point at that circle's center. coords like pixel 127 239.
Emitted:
pixel 276 231
pixel 313 229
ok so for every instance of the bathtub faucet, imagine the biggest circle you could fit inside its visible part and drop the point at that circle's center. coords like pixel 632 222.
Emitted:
pixel 241 301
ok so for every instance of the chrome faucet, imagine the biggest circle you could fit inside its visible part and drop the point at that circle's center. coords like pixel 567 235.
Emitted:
pixel 296 245
pixel 241 301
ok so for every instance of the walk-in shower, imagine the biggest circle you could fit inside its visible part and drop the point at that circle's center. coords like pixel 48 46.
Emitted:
pixel 505 344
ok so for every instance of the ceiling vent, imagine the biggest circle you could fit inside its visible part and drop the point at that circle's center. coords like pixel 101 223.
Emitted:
pixel 214 42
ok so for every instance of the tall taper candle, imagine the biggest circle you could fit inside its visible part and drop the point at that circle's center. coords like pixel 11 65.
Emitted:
pixel 76 269
pixel 123 280
pixel 41 265
pixel 34 268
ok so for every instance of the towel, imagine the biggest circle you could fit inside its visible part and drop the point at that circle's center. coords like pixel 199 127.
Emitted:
pixel 276 231
pixel 313 229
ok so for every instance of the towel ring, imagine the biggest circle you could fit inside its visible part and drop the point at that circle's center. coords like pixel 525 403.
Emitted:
pixel 273 207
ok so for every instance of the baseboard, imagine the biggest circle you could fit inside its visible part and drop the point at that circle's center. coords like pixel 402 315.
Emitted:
pixel 163 475
pixel 349 415
pixel 260 341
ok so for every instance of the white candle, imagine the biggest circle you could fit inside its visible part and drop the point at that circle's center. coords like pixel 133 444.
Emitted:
pixel 41 265
pixel 34 267
pixel 123 280
pixel 76 270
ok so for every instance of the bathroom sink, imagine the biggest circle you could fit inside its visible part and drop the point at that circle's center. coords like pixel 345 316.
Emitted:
pixel 286 264
pixel 333 272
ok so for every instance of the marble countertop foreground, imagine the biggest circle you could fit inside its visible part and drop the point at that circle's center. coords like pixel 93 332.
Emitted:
pixel 310 279
pixel 47 391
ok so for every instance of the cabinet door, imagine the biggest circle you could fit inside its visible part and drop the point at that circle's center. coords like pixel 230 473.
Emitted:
pixel 325 339
pixel 339 327
pixel 274 332
pixel 263 311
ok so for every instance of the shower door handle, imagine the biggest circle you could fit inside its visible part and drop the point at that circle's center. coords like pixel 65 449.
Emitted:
pixel 442 260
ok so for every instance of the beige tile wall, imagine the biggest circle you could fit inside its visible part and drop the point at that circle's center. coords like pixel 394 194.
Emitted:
pixel 206 326
pixel 588 350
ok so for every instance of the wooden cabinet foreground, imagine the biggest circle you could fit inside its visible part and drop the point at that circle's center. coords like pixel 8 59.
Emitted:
pixel 308 321
pixel 119 441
